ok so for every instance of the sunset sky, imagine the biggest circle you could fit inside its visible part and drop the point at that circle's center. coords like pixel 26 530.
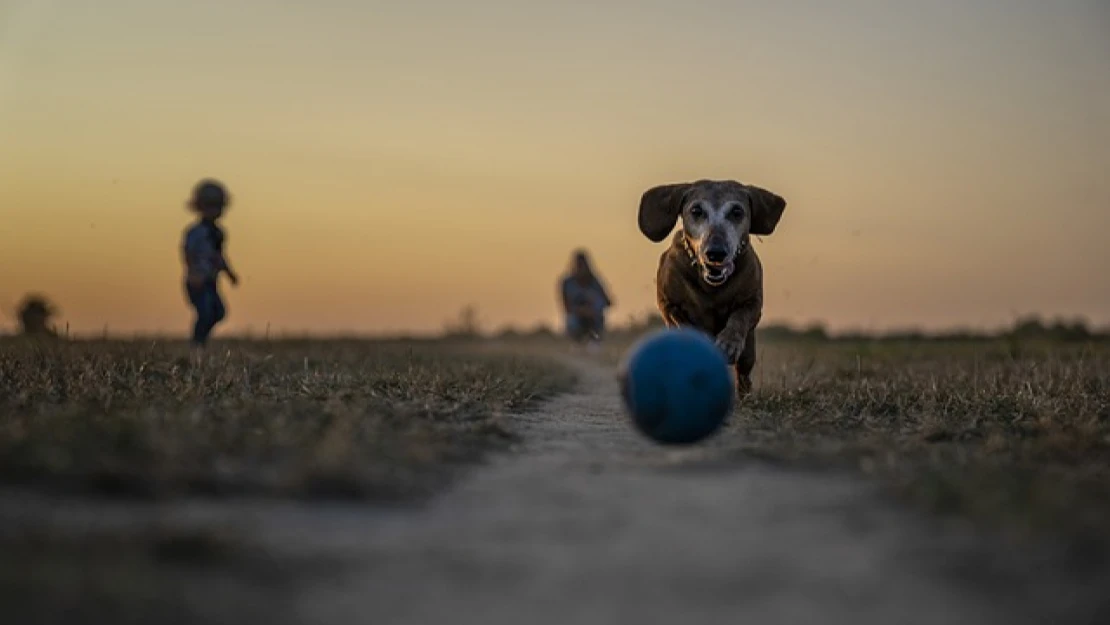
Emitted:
pixel 945 162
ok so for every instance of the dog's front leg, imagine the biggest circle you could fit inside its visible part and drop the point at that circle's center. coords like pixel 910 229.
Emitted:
pixel 733 340
pixel 737 341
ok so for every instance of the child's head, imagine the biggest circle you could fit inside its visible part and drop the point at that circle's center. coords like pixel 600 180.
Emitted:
pixel 210 198
pixel 581 264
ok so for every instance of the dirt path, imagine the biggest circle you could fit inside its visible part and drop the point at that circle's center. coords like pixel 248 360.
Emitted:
pixel 590 523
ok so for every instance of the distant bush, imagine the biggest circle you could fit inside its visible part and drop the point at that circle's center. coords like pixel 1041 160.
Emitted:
pixel 541 330
pixel 34 316
pixel 1028 328
pixel 1025 329
pixel 779 332
pixel 538 331
pixel 1059 330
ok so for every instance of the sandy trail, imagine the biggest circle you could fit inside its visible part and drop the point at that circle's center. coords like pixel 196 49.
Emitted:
pixel 590 523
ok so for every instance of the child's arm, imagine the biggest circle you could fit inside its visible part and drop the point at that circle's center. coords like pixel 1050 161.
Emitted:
pixel 226 268
pixel 606 301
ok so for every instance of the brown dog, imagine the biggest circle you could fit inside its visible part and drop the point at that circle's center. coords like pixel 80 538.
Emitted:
pixel 710 277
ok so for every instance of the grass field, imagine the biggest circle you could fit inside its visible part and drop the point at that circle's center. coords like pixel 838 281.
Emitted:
pixel 1012 436
pixel 305 419
pixel 1015 437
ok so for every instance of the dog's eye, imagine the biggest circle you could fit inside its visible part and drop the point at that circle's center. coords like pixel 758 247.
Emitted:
pixel 697 212
pixel 736 213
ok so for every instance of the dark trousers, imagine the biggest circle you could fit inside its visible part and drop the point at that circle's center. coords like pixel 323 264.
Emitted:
pixel 582 328
pixel 206 300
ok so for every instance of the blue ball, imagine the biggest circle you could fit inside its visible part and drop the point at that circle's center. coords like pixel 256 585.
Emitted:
pixel 677 386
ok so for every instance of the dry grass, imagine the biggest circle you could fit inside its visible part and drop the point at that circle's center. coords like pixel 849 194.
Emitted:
pixel 343 419
pixel 1015 436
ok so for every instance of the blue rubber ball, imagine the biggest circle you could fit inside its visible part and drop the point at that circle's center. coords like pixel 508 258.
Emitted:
pixel 677 386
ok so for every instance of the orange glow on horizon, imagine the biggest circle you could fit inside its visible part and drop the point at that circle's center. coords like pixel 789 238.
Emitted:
pixel 944 165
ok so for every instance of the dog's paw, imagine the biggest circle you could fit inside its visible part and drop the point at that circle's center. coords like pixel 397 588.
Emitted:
pixel 731 347
pixel 743 386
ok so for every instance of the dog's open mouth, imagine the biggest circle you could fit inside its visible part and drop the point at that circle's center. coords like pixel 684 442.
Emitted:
pixel 716 273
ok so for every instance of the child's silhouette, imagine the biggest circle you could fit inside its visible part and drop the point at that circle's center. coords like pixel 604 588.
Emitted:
pixel 203 252
pixel 584 301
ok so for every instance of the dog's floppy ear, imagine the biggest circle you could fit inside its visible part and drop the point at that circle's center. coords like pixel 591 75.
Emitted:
pixel 767 209
pixel 659 209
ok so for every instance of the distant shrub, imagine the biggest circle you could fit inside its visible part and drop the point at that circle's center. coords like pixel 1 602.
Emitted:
pixel 1025 329
pixel 35 314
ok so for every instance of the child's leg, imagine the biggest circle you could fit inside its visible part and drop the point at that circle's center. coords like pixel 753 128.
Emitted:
pixel 219 311
pixel 574 327
pixel 206 301
pixel 594 332
pixel 203 326
pixel 214 309
pixel 599 325
pixel 200 330
pixel 196 300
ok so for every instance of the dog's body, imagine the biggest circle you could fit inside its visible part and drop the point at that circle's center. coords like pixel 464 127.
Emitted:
pixel 710 278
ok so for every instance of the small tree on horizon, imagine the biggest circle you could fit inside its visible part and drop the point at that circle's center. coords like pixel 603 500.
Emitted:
pixel 34 316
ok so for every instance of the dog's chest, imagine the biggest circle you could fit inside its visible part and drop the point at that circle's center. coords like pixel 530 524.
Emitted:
pixel 707 310
pixel 711 316
pixel 682 292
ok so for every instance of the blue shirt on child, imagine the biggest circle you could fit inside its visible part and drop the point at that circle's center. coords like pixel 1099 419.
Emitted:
pixel 203 245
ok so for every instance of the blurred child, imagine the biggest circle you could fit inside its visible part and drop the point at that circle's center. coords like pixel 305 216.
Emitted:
pixel 584 302
pixel 203 252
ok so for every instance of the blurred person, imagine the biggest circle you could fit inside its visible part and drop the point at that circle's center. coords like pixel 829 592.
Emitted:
pixel 585 301
pixel 204 258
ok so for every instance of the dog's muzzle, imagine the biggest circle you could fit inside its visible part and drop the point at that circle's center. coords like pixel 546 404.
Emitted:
pixel 716 269
pixel 714 273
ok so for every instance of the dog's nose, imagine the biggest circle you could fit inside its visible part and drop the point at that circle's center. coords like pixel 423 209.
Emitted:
pixel 716 254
